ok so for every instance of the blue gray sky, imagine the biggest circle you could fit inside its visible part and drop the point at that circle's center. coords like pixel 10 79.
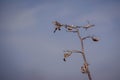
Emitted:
pixel 29 50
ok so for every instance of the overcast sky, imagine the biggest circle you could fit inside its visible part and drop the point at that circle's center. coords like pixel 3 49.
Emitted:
pixel 29 50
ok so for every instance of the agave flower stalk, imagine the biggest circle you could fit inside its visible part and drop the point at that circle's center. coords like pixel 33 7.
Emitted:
pixel 75 29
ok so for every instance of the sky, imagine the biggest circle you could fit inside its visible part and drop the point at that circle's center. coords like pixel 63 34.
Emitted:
pixel 29 50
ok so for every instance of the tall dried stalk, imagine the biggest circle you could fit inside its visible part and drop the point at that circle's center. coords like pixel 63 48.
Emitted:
pixel 75 29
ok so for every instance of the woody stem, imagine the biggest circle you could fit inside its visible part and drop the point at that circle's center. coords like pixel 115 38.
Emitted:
pixel 83 54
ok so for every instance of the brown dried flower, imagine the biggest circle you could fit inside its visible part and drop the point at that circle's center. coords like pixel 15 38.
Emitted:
pixel 95 39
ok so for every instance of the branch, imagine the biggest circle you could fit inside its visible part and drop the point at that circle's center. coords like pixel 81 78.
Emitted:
pixel 71 31
pixel 74 51
pixel 69 52
pixel 95 39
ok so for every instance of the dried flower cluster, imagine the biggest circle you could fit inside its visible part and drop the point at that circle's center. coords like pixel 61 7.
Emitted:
pixel 66 55
pixel 84 68
pixel 57 26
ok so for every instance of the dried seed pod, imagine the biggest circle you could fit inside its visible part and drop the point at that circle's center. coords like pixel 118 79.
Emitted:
pixel 57 26
pixel 69 28
pixel 64 59
pixel 67 54
pixel 95 39
pixel 84 68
